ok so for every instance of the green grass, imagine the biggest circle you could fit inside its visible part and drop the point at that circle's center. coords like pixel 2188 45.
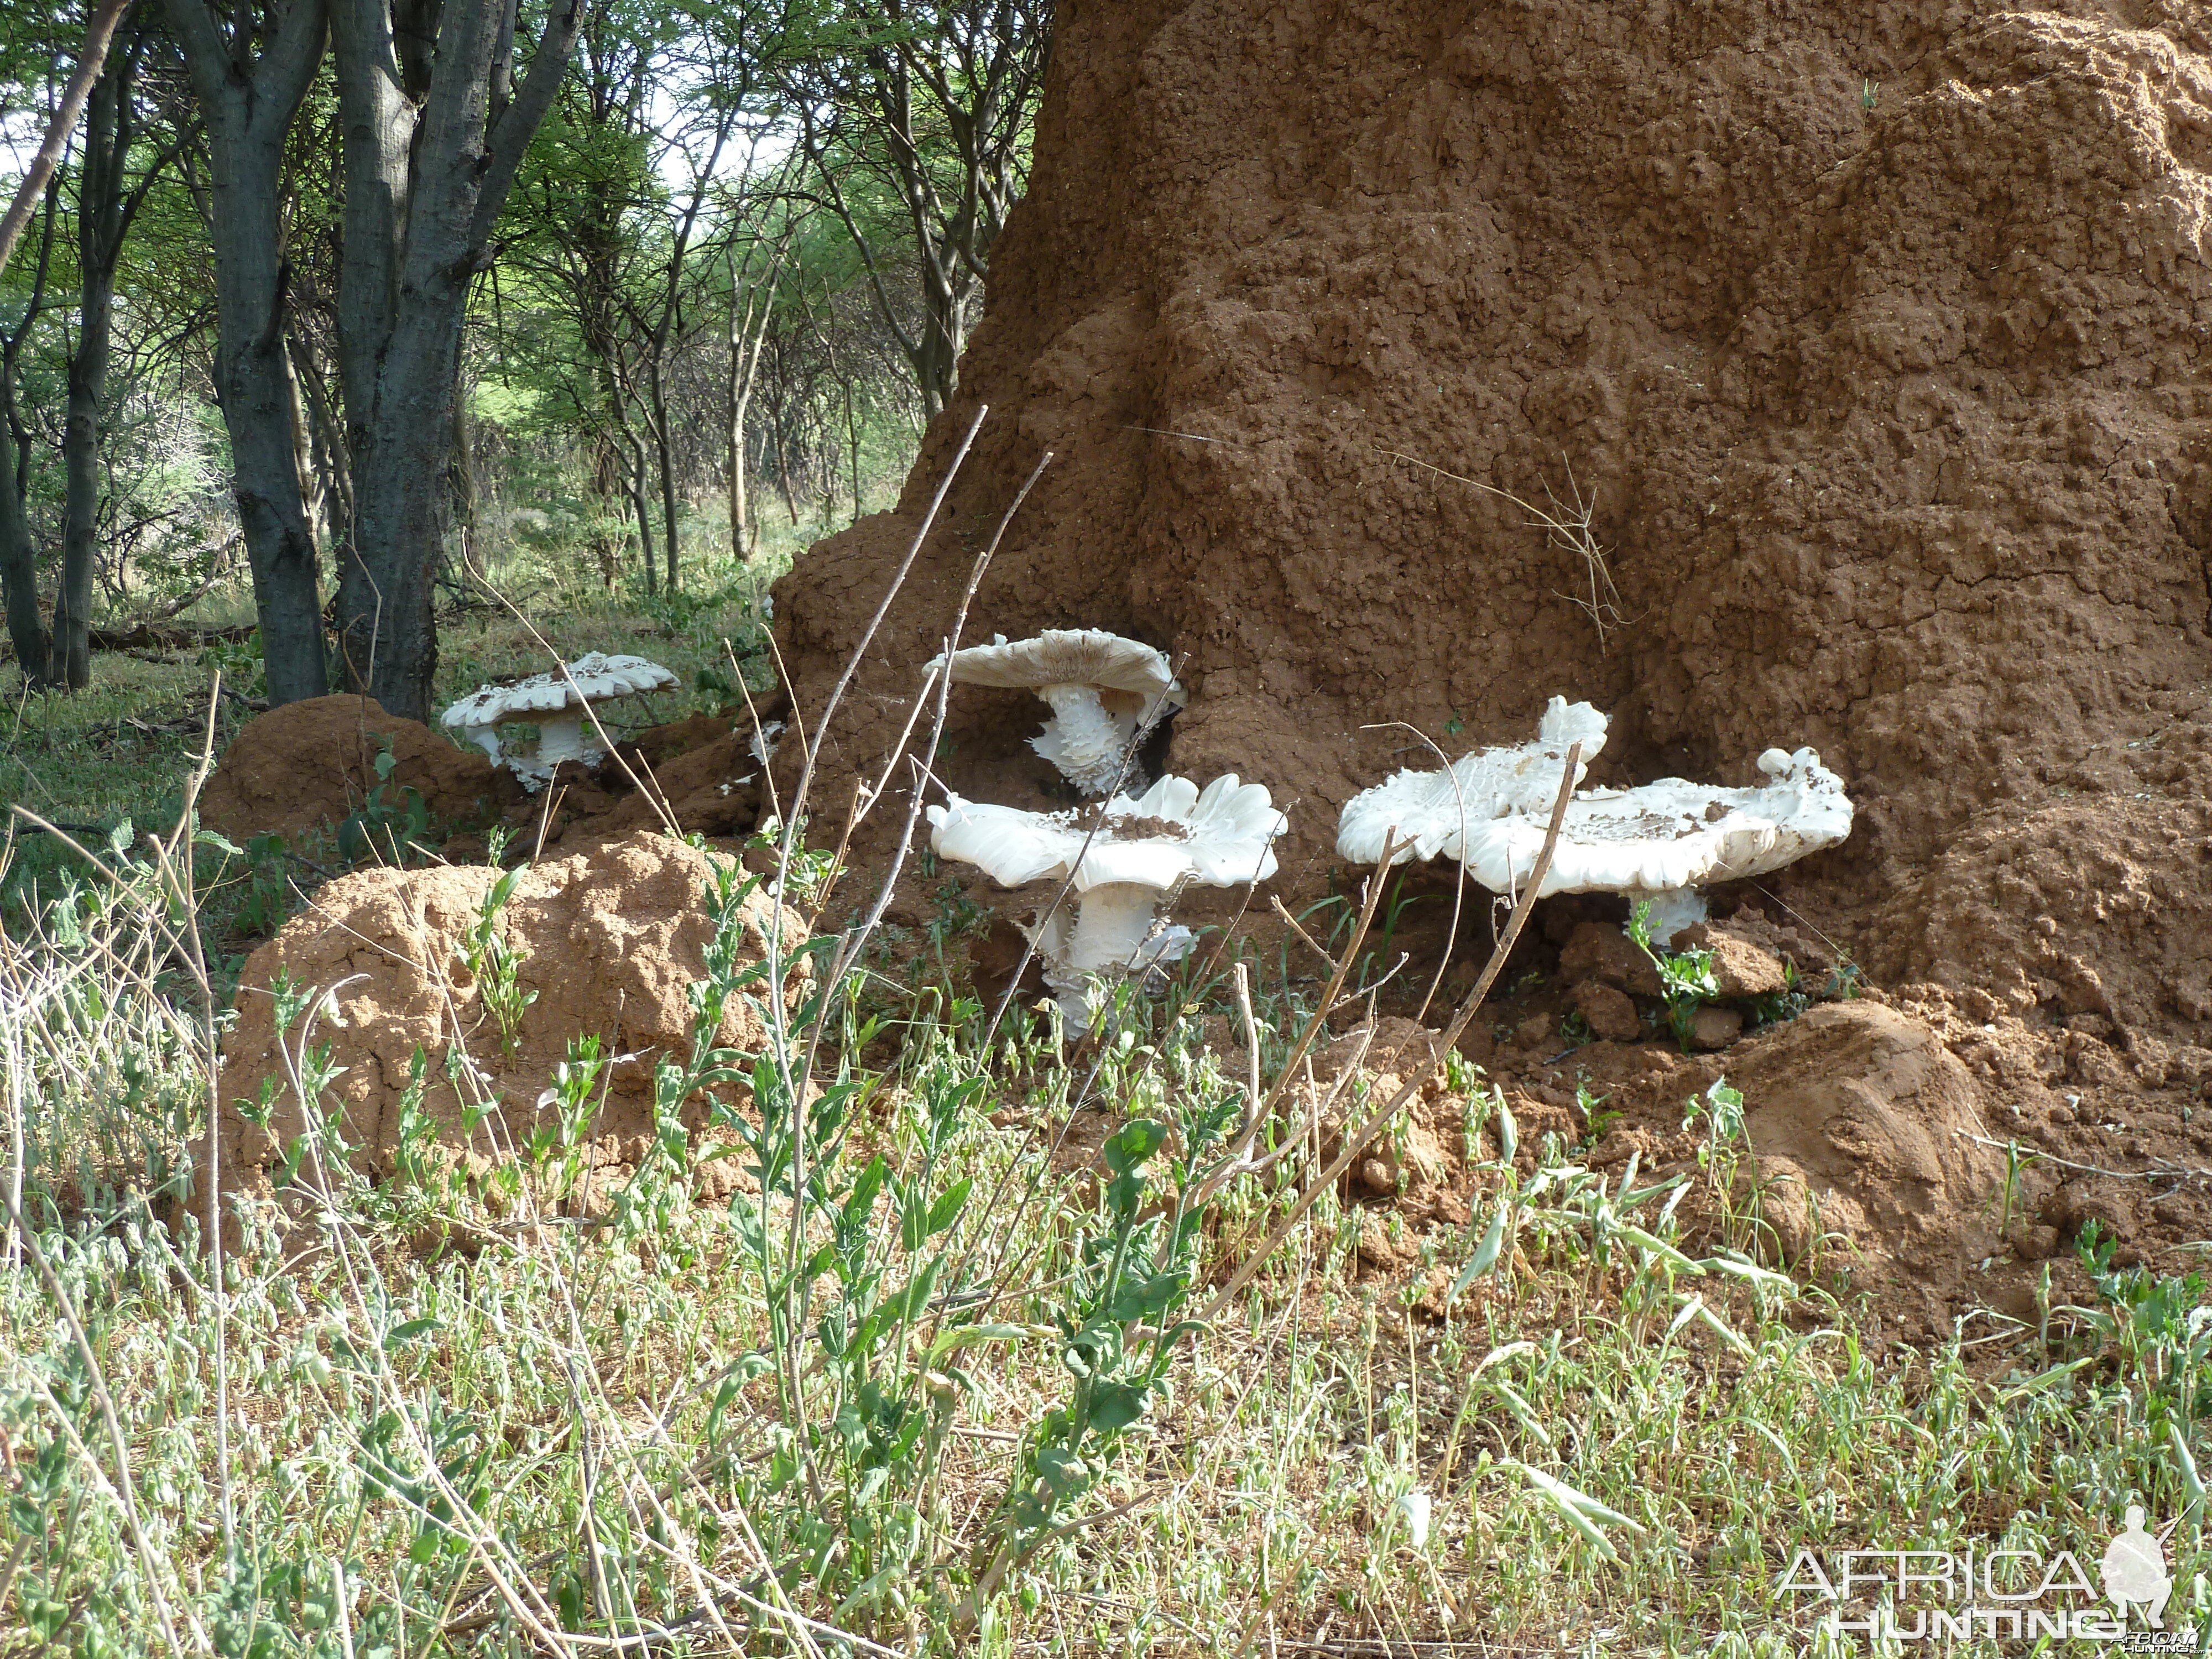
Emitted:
pixel 955 1398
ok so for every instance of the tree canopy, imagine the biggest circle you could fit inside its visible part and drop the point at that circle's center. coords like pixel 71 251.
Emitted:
pixel 341 297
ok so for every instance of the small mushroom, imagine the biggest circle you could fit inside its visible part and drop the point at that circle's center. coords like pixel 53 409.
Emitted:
pixel 1435 808
pixel 557 702
pixel 1139 852
pixel 1103 689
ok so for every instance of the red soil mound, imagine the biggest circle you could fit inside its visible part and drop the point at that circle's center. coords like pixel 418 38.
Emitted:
pixel 312 763
pixel 698 774
pixel 610 943
pixel 1876 330
pixel 1872 1155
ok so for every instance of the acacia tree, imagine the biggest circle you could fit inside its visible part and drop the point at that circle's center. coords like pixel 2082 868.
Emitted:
pixel 930 103
pixel 18 557
pixel 250 67
pixel 108 199
pixel 632 209
pixel 568 229
pixel 435 129
pixel 99 28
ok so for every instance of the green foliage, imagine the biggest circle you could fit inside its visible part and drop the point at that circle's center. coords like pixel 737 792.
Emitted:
pixel 493 964
pixel 243 667
pixel 1686 977
pixel 391 824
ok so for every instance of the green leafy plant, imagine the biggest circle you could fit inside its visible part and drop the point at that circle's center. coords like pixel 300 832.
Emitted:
pixel 1686 977
pixel 387 823
pixel 1777 1007
pixel 494 964
pixel 244 669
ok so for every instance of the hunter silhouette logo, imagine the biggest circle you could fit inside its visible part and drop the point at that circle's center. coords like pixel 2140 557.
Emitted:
pixel 2134 1570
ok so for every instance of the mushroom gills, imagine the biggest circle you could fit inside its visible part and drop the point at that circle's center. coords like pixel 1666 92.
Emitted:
pixel 1086 739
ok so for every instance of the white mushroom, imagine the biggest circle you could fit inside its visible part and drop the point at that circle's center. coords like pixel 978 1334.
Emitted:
pixel 1434 808
pixel 557 702
pixel 763 741
pixel 1140 853
pixel 1662 841
pixel 1103 689
pixel 1658 843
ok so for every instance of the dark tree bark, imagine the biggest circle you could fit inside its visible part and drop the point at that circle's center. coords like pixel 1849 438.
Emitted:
pixel 435 129
pixel 250 69
pixel 27 631
pixel 107 203
pixel 19 560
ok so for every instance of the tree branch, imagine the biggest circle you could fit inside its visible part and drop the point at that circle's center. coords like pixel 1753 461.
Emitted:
pixel 98 33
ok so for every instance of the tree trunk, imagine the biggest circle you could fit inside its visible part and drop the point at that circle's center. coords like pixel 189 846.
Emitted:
pixel 401 495
pixel 663 452
pixel 783 469
pixel 246 117
pixel 18 564
pixel 745 374
pixel 99 239
pixel 19 560
pixel 326 456
pixel 740 547
pixel 433 140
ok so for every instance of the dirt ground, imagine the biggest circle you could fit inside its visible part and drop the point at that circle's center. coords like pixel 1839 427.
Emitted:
pixel 1916 1154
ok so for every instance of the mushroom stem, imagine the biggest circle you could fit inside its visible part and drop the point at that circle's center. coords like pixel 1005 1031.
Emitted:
pixel 485 737
pixel 1113 933
pixel 1083 739
pixel 1672 910
pixel 561 738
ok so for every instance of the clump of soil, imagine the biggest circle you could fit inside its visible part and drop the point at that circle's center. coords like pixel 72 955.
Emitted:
pixel 1874 336
pixel 698 773
pixel 2099 905
pixel 1421 1169
pixel 609 943
pixel 1928 1149
pixel 313 764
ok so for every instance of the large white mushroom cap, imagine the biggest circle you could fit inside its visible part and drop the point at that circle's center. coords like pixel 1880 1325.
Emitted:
pixel 1139 850
pixel 555 702
pixel 1666 835
pixel 1066 656
pixel 1436 808
pixel 1217 836
pixel 597 678
pixel 1101 688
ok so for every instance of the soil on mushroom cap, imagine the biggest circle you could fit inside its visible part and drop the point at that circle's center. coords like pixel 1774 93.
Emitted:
pixel 310 763
pixel 610 943
pixel 1126 826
